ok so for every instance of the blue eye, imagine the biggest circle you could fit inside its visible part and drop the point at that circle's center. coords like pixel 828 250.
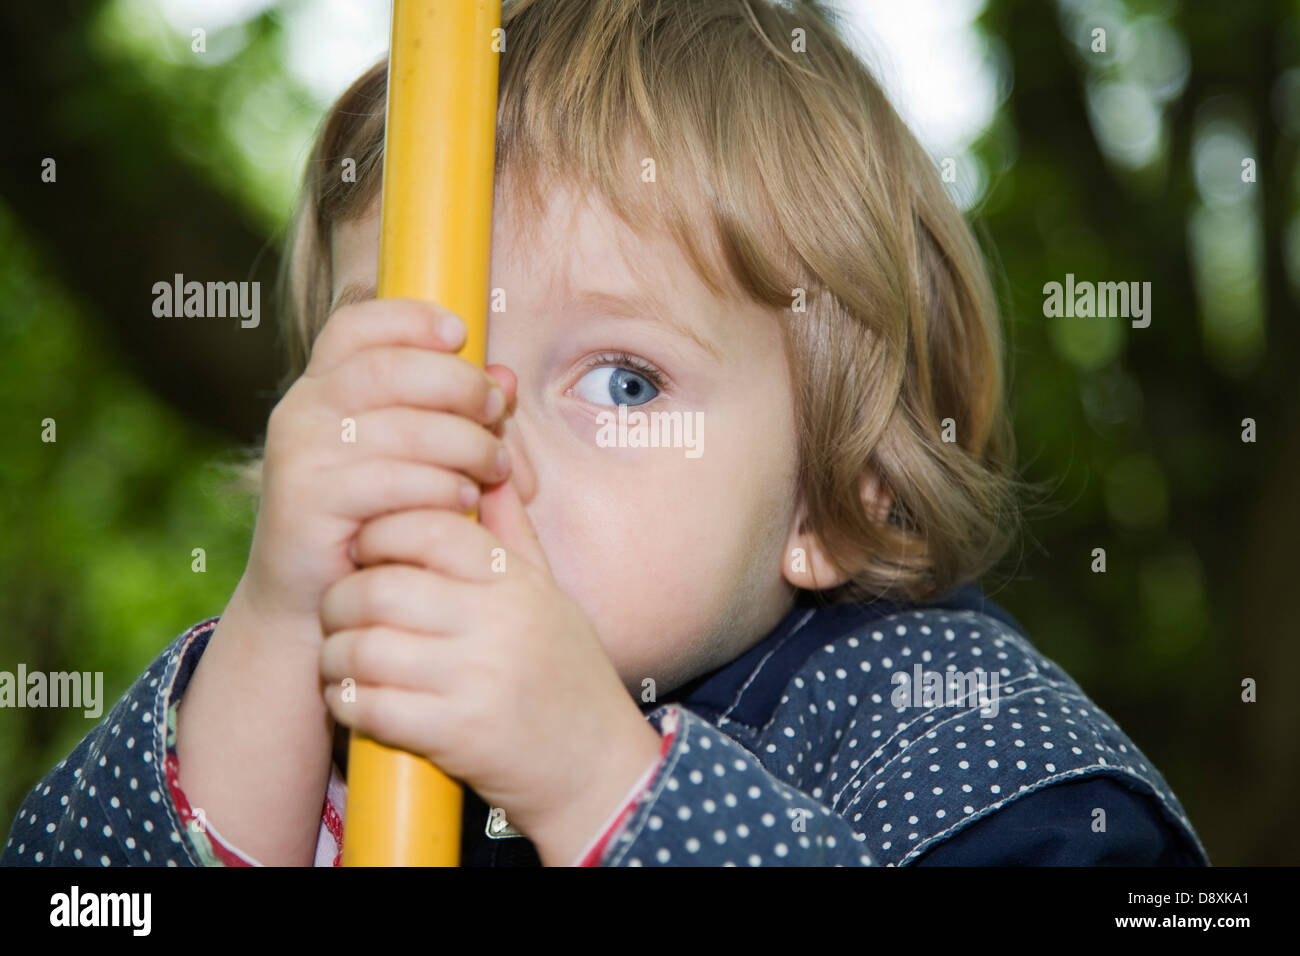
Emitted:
pixel 609 384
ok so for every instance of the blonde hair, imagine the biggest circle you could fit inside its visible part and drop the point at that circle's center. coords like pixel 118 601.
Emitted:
pixel 777 171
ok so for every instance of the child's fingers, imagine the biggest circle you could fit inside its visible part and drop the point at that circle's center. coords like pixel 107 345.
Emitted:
pixel 502 513
pixel 395 595
pixel 394 716
pixel 438 438
pixel 384 322
pixel 388 656
pixel 400 375
pixel 506 378
pixel 443 541
pixel 364 489
pixel 509 386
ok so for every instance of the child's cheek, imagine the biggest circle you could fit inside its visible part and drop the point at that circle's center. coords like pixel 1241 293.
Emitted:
pixel 631 541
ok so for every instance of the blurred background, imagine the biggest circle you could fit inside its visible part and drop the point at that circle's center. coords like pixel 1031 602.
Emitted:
pixel 1126 162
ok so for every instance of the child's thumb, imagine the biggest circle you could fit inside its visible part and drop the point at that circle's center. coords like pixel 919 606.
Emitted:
pixel 501 511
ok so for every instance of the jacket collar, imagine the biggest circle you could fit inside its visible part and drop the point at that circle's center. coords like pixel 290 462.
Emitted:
pixel 746 691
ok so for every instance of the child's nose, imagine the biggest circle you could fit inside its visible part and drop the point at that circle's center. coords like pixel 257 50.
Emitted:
pixel 521 468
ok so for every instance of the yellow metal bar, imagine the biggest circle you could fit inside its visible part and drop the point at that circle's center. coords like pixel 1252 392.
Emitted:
pixel 435 244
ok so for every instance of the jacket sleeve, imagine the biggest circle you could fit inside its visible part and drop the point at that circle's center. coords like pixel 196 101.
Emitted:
pixel 710 802
pixel 116 799
pixel 595 849
pixel 1042 829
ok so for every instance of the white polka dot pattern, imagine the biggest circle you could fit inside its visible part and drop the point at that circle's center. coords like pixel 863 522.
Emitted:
pixel 713 804
pixel 834 775
pixel 107 803
pixel 875 782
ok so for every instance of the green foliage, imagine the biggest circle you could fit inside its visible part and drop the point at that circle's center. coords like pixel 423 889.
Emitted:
pixel 99 525
pixel 1136 432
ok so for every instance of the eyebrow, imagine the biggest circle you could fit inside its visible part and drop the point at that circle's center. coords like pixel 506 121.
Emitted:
pixel 642 305
pixel 635 305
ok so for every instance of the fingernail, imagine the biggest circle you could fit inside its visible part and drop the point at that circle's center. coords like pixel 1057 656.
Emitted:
pixel 496 403
pixel 468 494
pixel 453 329
pixel 503 461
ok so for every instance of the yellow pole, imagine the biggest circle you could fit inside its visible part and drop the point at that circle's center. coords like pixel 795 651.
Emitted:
pixel 435 244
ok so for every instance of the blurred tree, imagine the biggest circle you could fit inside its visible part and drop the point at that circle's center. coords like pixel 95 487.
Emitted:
pixel 131 208
pixel 1108 164
pixel 1141 428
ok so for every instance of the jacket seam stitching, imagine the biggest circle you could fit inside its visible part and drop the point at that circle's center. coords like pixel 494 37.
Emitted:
pixel 723 717
pixel 890 761
pixel 1095 769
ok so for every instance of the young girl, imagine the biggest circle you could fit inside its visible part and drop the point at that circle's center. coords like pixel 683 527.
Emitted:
pixel 759 647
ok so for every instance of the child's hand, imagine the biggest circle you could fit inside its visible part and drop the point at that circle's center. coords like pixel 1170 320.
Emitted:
pixel 418 416
pixel 475 658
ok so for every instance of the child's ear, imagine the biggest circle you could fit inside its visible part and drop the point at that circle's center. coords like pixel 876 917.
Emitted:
pixel 806 564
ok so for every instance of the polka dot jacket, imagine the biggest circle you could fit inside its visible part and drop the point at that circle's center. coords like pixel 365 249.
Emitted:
pixel 852 735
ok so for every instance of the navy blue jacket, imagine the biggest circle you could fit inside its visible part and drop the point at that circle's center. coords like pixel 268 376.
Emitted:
pixel 818 746
pixel 1009 815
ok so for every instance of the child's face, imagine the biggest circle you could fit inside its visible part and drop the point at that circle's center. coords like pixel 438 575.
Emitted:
pixel 676 560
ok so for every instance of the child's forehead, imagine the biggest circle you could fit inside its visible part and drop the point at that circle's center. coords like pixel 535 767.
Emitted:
pixel 573 241
pixel 566 235
pixel 577 239
pixel 571 255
